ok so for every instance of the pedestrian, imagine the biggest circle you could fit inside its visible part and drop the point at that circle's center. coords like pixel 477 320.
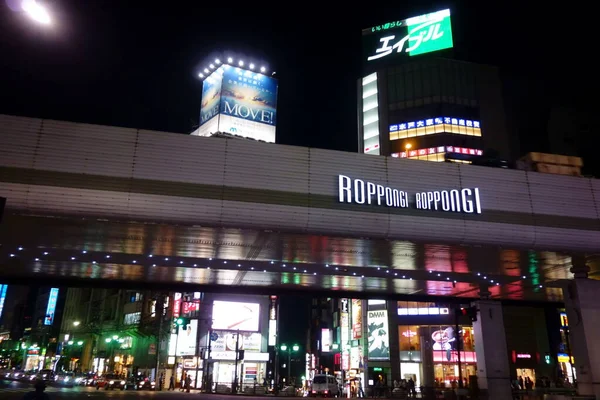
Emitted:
pixel 161 381
pixel 361 392
pixel 182 383
pixel 172 383
pixel 38 394
pixel 411 388
pixel 188 382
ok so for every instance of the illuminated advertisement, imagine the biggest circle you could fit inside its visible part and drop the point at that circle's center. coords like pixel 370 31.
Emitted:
pixel 186 339
pixel 239 102
pixel 272 341
pixel 211 98
pixel 230 316
pixel 410 37
pixel 437 150
pixel 356 318
pixel 344 324
pixel 51 308
pixel 325 340
pixel 3 289
pixel 355 362
pixel 378 341
pixel 176 305
pixel 226 341
pixel 248 104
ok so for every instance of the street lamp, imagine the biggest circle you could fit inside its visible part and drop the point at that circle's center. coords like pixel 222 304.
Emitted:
pixel 36 11
pixel 76 323
pixel 289 351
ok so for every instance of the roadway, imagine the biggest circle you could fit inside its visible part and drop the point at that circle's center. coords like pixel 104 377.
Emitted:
pixel 16 390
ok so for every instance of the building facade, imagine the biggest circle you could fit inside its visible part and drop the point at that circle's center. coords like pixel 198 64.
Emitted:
pixel 432 109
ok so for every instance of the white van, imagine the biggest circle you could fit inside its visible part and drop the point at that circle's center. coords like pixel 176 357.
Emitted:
pixel 324 385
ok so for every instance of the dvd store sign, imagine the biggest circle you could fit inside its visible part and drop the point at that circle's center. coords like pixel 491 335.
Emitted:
pixel 358 191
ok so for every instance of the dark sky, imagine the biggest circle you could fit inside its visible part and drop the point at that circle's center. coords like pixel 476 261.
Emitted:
pixel 134 63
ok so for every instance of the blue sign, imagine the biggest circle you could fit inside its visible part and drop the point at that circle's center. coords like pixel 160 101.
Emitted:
pixel 3 289
pixel 248 95
pixel 434 121
pixel 51 308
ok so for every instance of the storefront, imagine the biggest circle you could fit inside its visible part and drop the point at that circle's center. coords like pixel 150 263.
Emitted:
pixel 429 350
pixel 252 370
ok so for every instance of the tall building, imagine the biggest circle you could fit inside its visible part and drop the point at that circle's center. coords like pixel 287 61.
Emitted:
pixel 417 106
pixel 109 330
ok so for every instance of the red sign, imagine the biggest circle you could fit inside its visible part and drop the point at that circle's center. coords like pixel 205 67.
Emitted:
pixel 444 356
pixel 176 305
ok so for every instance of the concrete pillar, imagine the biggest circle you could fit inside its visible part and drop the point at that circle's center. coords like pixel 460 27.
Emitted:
pixel 427 373
pixel 583 313
pixel 493 373
pixel 394 340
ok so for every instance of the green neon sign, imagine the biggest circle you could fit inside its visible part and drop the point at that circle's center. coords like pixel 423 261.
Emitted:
pixel 413 36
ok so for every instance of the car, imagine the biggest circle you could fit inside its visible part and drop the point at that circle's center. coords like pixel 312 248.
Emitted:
pixel 64 380
pixel 108 382
pixel 46 375
pixel 139 383
pixel 325 385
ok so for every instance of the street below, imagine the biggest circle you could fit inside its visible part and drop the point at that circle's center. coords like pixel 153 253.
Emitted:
pixel 16 390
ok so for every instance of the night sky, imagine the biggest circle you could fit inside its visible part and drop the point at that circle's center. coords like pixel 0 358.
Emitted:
pixel 135 63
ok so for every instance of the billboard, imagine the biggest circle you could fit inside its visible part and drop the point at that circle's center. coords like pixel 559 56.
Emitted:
pixel 51 307
pixel 325 340
pixel 229 316
pixel 186 339
pixel 357 317
pixel 3 289
pixel 406 38
pixel 226 341
pixel 379 340
pixel 240 102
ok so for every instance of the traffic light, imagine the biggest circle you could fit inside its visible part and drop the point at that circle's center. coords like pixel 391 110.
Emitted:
pixel 182 322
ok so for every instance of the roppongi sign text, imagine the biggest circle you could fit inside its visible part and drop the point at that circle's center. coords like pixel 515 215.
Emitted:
pixel 359 191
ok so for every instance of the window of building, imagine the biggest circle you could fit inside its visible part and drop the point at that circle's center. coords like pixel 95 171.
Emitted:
pixel 132 318
pixel 409 338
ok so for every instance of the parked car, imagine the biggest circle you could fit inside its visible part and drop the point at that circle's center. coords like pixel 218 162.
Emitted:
pixel 108 382
pixel 325 385
pixel 139 383
pixel 46 375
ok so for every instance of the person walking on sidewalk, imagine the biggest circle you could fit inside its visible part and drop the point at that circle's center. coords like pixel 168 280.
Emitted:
pixel 171 383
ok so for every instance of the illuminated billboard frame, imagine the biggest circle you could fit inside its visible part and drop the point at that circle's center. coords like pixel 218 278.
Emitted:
pixel 51 308
pixel 238 100
pixel 233 316
pixel 413 36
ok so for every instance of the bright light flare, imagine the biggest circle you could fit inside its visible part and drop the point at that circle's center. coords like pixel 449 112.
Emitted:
pixel 241 63
pixel 36 11
pixel 229 60
pixel 251 66
pixel 262 69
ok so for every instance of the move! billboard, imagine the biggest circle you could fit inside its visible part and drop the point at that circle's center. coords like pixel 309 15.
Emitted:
pixel 406 38
pixel 240 102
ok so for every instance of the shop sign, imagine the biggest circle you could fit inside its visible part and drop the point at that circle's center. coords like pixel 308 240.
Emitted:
pixel 409 333
pixel 452 356
pixel 230 355
pixel 226 341
pixel 564 357
pixel 358 191
pixel 344 305
pixel 356 319
pixel 523 355
pixel 564 321
pixel 190 362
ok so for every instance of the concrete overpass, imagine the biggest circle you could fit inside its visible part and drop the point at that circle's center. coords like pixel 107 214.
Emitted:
pixel 107 205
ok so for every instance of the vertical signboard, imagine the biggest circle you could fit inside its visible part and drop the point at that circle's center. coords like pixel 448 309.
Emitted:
pixel 3 289
pixel 357 317
pixel 51 308
pixel 176 305
pixel 406 38
pixel 272 341
pixel 378 341
pixel 325 340
pixel 210 104
pixel 186 339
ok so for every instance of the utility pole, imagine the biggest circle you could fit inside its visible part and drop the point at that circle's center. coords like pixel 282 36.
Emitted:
pixel 237 351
